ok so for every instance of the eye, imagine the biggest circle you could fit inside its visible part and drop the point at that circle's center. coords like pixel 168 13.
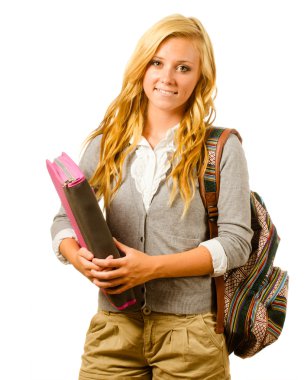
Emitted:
pixel 154 62
pixel 183 68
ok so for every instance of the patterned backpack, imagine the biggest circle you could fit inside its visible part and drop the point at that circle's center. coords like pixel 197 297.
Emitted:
pixel 252 299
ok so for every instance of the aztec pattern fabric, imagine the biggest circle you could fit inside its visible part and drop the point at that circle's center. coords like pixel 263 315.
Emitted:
pixel 255 297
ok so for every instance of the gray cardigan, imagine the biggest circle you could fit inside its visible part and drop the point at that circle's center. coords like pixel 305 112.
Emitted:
pixel 161 231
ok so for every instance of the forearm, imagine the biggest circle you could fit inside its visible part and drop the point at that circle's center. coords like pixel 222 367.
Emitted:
pixel 195 262
pixel 69 248
pixel 137 267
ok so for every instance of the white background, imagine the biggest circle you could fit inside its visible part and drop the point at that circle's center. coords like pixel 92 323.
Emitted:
pixel 61 65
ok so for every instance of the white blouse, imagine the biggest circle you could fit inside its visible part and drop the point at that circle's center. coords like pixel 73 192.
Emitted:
pixel 148 170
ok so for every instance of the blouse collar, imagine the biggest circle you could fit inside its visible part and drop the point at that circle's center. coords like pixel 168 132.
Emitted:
pixel 167 141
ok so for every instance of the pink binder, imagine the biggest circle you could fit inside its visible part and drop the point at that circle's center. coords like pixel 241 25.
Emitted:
pixel 85 215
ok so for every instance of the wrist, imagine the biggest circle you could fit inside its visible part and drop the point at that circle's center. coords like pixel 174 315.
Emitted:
pixel 161 266
pixel 155 267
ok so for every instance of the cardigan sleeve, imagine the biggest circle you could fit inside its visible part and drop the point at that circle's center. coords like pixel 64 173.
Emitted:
pixel 234 219
pixel 61 227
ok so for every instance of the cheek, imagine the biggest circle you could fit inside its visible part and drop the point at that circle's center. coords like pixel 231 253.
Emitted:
pixel 191 84
pixel 188 88
pixel 150 74
pixel 147 81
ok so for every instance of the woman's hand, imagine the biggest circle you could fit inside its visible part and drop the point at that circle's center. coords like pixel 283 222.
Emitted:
pixel 123 273
pixel 136 267
pixel 82 261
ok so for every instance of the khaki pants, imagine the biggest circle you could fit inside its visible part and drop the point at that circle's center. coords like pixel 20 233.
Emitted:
pixel 156 346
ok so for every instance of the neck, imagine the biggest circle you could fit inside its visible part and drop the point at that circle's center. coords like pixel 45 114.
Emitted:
pixel 158 123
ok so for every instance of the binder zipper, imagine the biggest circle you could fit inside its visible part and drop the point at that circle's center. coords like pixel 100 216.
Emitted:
pixel 70 177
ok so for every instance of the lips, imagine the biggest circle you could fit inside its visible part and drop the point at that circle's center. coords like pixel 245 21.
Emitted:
pixel 165 92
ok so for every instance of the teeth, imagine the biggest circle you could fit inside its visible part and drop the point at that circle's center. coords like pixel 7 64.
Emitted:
pixel 165 92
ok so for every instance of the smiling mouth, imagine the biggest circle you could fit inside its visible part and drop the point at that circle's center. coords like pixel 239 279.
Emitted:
pixel 165 92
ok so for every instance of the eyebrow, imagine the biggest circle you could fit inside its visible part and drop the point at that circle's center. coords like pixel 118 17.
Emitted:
pixel 180 61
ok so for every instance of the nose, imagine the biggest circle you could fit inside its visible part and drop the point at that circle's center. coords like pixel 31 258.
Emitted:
pixel 167 76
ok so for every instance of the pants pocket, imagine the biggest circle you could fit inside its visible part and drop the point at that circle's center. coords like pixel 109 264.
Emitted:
pixel 97 322
pixel 208 322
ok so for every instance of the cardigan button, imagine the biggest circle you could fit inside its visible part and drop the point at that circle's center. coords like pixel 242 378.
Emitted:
pixel 146 310
pixel 142 239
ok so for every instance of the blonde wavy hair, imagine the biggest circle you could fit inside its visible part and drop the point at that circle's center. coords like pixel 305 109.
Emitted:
pixel 125 117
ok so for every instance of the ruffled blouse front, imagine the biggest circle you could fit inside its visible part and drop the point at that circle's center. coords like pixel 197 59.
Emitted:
pixel 151 165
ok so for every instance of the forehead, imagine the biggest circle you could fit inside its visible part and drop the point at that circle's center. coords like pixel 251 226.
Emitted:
pixel 178 49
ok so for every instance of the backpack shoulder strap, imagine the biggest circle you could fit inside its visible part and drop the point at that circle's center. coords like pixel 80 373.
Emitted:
pixel 209 185
pixel 209 179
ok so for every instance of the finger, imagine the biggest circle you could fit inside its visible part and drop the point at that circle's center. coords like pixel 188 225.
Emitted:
pixel 106 275
pixel 83 252
pixel 118 290
pixel 107 269
pixel 107 263
pixel 122 247
pixel 89 264
pixel 108 285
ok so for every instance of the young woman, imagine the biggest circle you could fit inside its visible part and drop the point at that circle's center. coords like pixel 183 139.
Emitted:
pixel 143 161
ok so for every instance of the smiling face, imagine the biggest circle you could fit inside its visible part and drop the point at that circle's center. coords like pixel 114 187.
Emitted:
pixel 171 76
